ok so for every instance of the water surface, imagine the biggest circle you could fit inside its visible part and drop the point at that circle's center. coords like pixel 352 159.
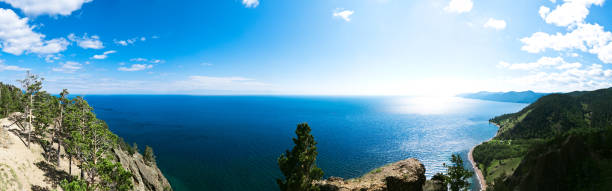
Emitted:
pixel 232 142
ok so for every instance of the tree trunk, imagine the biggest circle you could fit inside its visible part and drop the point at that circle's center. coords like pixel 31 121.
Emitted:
pixel 59 128
pixel 69 164
pixel 50 147
pixel 30 117
pixel 82 173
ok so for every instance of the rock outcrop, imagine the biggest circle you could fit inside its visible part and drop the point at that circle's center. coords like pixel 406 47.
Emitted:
pixel 145 177
pixel 404 175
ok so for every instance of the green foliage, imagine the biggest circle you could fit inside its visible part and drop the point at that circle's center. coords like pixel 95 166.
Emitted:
pixel 113 176
pixel 75 185
pixel 492 150
pixel 457 176
pixel 298 165
pixel 149 156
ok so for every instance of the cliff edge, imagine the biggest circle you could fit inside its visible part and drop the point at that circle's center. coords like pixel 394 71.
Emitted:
pixel 405 175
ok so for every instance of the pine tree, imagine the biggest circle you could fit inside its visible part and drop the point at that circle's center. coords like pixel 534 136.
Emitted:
pixel 298 165
pixel 31 85
pixel 148 155
pixel 457 175
pixel 62 102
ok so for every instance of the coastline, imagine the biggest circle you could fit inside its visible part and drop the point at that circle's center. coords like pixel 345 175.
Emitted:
pixel 479 175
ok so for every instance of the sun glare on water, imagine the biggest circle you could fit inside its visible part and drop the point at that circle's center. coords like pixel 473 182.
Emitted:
pixel 430 105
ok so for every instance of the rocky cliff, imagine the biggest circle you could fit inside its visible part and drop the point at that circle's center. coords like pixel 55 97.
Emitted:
pixel 145 177
pixel 405 175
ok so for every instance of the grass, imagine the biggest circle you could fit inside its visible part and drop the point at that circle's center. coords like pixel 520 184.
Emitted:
pixel 8 178
pixel 501 167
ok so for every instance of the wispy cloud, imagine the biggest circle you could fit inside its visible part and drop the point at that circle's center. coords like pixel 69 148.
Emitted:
pixel 103 55
pixel 11 67
pixel 86 42
pixel 68 67
pixel 135 67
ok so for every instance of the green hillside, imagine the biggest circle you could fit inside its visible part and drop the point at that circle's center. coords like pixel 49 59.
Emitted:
pixel 555 126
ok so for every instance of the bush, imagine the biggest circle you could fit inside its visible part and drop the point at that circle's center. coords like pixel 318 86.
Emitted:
pixel 148 156
pixel 75 185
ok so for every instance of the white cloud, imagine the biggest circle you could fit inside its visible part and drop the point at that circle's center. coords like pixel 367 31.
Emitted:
pixel 51 7
pixel 220 83
pixel 103 55
pixel 250 3
pixel 495 24
pixel 344 14
pixel 50 58
pixel 154 61
pixel 68 67
pixel 132 40
pixel 10 67
pixel 572 79
pixel 590 38
pixel 135 67
pixel 459 6
pixel 86 42
pixel 541 63
pixel 569 13
pixel 17 36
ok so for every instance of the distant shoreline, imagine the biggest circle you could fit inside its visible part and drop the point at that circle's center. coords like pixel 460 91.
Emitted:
pixel 479 175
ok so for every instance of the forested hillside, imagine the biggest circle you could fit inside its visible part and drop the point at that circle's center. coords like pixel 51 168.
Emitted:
pixel 68 129
pixel 560 142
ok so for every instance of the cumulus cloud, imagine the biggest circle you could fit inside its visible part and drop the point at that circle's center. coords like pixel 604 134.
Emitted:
pixel 343 14
pixel 51 7
pixel 250 3
pixel 459 6
pixel 585 37
pixel 103 55
pixel 17 36
pixel 86 42
pixel 495 24
pixel 135 67
pixel 68 67
pixel 571 12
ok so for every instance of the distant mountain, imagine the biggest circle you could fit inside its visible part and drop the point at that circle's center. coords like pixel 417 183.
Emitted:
pixel 560 142
pixel 515 97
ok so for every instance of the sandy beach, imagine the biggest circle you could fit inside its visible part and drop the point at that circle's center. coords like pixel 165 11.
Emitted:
pixel 479 175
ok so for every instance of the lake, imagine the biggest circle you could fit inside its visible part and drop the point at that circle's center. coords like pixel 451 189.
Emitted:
pixel 233 142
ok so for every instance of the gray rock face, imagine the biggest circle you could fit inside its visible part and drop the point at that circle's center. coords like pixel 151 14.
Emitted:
pixel 404 175
pixel 145 177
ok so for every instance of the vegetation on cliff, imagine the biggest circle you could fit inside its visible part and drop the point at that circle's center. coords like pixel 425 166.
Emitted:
pixel 567 133
pixel 72 125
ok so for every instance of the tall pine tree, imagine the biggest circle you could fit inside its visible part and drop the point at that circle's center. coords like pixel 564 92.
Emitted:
pixel 298 165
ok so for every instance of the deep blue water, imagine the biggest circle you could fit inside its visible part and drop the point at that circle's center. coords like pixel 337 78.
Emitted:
pixel 232 142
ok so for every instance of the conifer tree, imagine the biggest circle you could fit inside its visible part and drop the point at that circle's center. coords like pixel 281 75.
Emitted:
pixel 62 102
pixel 298 165
pixel 31 85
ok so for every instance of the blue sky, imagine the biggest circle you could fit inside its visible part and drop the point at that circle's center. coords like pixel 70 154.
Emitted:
pixel 366 47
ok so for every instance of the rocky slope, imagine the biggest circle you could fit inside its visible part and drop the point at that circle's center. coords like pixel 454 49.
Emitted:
pixel 145 177
pixel 405 175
